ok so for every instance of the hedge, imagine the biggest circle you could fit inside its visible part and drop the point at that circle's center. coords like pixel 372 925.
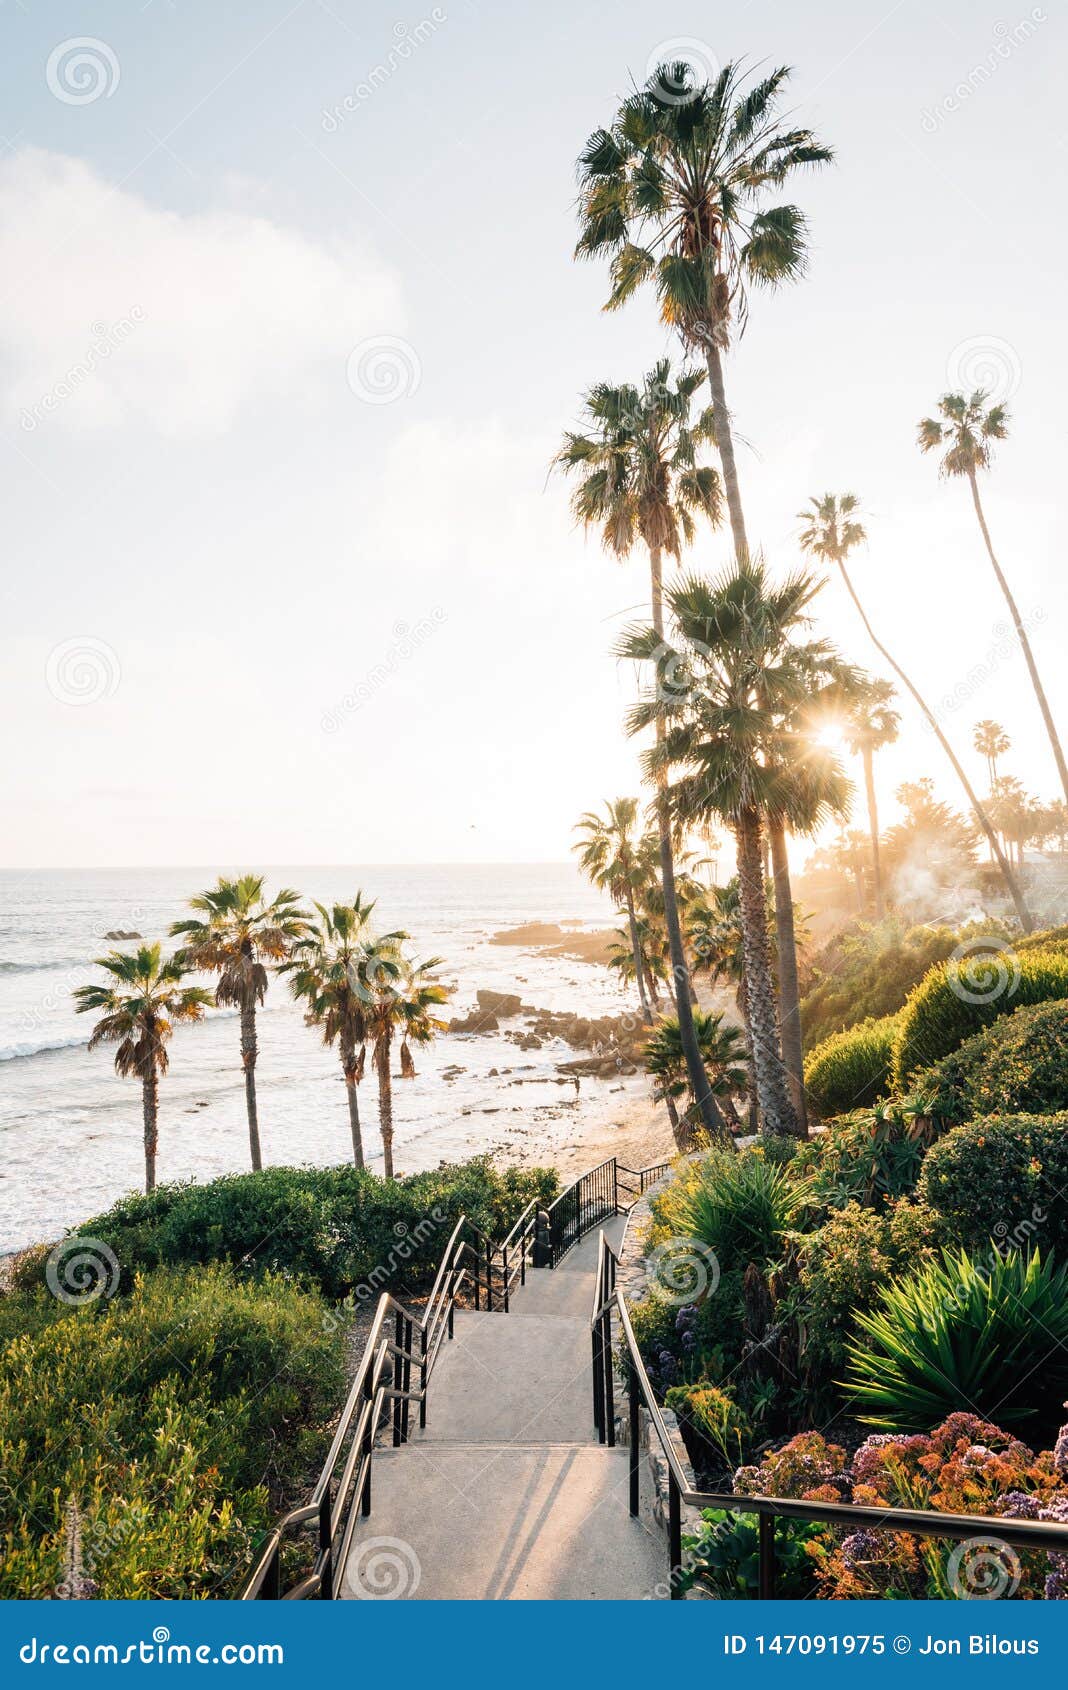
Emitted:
pixel 158 1432
pixel 951 1004
pixel 1019 1066
pixel 343 1230
pixel 1002 1179
pixel 851 1069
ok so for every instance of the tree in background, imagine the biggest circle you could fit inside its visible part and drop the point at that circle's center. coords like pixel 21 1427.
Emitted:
pixel 141 1002
pixel 722 1051
pixel 967 430
pixel 831 530
pixel 610 855
pixel 401 998
pixel 236 933
pixel 871 724
pixel 991 741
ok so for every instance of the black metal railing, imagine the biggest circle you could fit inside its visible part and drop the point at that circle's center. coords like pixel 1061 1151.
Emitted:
pixel 633 1183
pixel 609 1301
pixel 398 1362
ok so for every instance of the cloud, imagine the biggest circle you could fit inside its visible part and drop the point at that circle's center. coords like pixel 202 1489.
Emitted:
pixel 117 312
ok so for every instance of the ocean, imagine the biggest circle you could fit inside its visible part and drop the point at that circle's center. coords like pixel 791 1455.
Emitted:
pixel 70 1128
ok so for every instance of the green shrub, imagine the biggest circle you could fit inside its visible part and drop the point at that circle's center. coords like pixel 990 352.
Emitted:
pixel 870 1158
pixel 1005 1177
pixel 843 1266
pixel 1019 1066
pixel 866 971
pixel 737 1205
pixel 713 1420
pixel 725 1557
pixel 988 1335
pixel 954 1002
pixel 171 1423
pixel 851 1069
pixel 693 1342
pixel 342 1229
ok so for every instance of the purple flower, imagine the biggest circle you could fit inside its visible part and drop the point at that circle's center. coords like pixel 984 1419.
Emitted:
pixel 861 1547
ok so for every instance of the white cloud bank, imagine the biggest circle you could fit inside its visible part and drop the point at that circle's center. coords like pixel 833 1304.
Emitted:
pixel 114 311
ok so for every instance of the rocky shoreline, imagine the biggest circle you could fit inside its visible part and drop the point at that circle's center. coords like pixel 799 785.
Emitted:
pixel 614 1041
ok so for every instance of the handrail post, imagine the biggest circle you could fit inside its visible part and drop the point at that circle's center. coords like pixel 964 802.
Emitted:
pixel 675 1537
pixel 368 1442
pixel 598 1381
pixel 766 1531
pixel 398 1376
pixel 615 1187
pixel 542 1240
pixel 504 1267
pixel 422 1377
pixel 326 1550
pixel 609 1388
pixel 635 1438
pixel 271 1588
pixel 406 1376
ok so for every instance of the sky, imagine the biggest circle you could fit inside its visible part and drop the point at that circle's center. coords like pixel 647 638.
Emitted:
pixel 290 329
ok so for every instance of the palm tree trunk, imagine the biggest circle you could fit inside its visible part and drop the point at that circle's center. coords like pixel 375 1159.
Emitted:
pixel 150 1107
pixel 752 1104
pixel 721 417
pixel 651 986
pixel 873 827
pixel 789 995
pixel 249 1052
pixel 385 1106
pixel 711 1118
pixel 1012 885
pixel 348 1064
pixel 775 1106
pixel 639 970
pixel 1025 643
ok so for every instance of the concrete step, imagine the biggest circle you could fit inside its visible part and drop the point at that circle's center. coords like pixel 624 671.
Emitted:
pixel 512 1377
pixel 504 1522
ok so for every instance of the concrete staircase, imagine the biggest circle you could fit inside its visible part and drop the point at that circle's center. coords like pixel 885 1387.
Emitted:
pixel 506 1495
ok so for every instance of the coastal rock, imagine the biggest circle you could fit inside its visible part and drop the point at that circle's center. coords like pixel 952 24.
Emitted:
pixel 502 1004
pixel 122 933
pixel 476 1022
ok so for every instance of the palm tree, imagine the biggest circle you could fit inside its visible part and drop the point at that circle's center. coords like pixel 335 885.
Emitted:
pixel 991 741
pixel 870 724
pixel 723 1054
pixel 716 937
pixel 141 1003
pixel 609 856
pixel 675 191
pixel 235 934
pixel 728 687
pixel 400 997
pixel 968 430
pixel 639 478
pixel 650 956
pixel 324 969
pixel 831 530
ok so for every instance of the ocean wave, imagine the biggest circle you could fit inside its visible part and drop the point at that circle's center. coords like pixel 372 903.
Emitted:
pixel 44 967
pixel 40 1047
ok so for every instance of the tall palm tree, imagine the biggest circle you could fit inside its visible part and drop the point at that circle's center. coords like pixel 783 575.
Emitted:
pixel 967 429
pixel 729 682
pixel 235 934
pixel 831 530
pixel 991 741
pixel 871 724
pixel 722 1051
pixel 609 856
pixel 639 478
pixel 676 191
pixel 324 972
pixel 141 1002
pixel 401 998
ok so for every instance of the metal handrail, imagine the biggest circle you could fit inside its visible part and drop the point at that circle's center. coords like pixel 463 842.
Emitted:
pixel 608 1299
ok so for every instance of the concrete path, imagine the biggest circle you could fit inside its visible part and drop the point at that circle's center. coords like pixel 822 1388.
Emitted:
pixel 506 1495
